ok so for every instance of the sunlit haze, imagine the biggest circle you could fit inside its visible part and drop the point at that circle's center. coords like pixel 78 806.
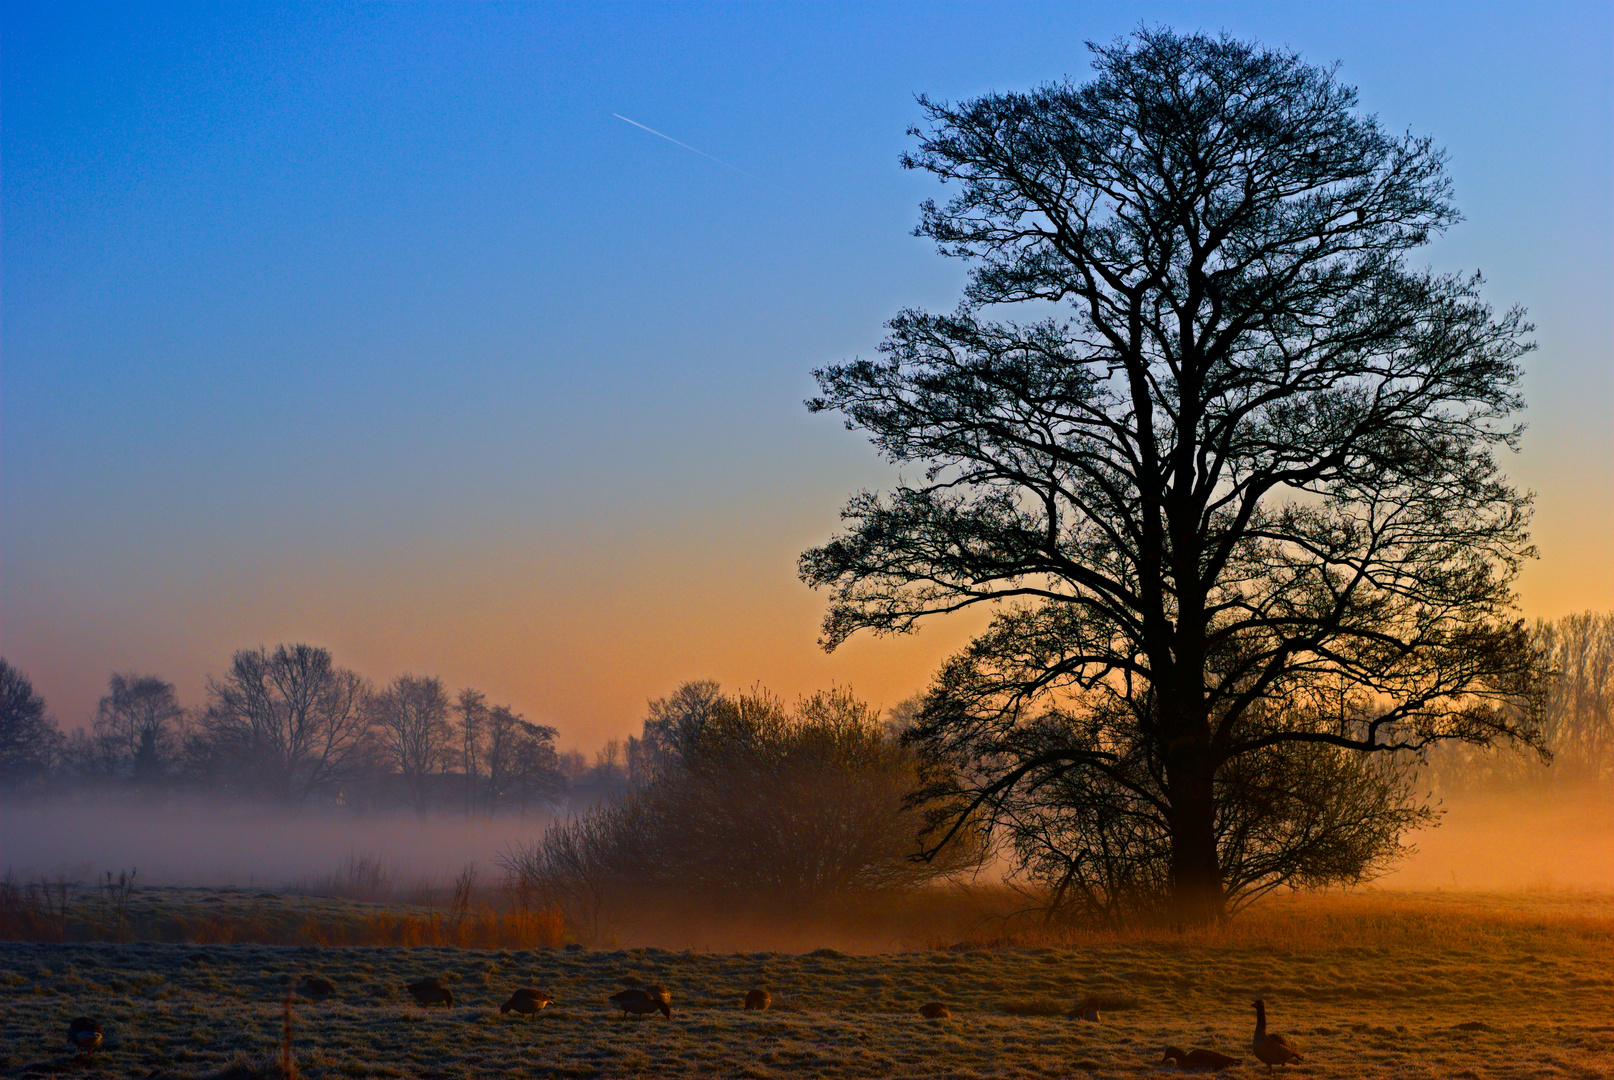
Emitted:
pixel 375 326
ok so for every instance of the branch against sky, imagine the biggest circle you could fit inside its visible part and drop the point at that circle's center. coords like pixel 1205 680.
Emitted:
pixel 1249 454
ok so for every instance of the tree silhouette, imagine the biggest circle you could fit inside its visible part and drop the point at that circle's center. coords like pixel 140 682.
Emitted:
pixel 140 727
pixel 1235 465
pixel 287 723
pixel 29 739
pixel 411 717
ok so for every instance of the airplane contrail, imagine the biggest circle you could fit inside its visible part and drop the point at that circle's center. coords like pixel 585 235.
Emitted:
pixel 686 146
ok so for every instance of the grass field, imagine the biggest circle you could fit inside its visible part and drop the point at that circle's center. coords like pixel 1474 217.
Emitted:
pixel 1370 984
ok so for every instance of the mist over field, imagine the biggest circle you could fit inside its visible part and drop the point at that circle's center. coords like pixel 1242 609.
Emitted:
pixel 193 840
pixel 1540 841
pixel 1536 840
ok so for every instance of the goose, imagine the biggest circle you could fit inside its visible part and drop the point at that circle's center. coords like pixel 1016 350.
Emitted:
pixel 1197 1059
pixel 525 1001
pixel 639 1002
pixel 431 992
pixel 316 987
pixel 84 1035
pixel 1086 1009
pixel 1271 1049
pixel 758 999
pixel 934 1010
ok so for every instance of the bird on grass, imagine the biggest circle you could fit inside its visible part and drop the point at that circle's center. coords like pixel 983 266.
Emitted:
pixel 1271 1049
pixel 316 987
pixel 1086 1009
pixel 1198 1059
pixel 84 1035
pixel 525 1001
pixel 934 1010
pixel 431 992
pixel 758 999
pixel 640 1001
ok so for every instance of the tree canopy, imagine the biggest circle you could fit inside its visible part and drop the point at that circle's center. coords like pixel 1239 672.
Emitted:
pixel 1225 470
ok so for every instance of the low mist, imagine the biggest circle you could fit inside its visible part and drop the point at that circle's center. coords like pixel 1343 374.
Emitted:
pixel 1561 838
pixel 1538 840
pixel 180 840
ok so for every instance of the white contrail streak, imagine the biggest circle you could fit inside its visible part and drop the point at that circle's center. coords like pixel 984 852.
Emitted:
pixel 686 146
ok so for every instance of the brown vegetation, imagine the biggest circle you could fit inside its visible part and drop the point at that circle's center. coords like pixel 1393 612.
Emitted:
pixel 40 911
pixel 747 808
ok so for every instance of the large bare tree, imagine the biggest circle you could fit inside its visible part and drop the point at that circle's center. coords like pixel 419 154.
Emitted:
pixel 30 741
pixel 1234 462
pixel 287 723
pixel 411 716
pixel 139 727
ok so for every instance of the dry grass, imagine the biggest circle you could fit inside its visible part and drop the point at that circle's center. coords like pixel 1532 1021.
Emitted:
pixel 1370 984
pixel 42 913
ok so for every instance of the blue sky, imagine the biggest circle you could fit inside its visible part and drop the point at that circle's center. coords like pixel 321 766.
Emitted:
pixel 371 325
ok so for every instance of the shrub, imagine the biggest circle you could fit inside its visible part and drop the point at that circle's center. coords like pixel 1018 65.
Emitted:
pixel 746 804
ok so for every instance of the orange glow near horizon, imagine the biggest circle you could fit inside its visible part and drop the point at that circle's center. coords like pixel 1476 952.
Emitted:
pixel 575 632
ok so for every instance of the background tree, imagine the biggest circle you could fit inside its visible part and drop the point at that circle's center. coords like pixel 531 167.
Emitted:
pixel 139 729
pixel 411 717
pixel 535 781
pixel 1577 717
pixel 286 724
pixel 1579 710
pixel 1248 462
pixel 523 767
pixel 29 739
pixel 472 707
pixel 677 720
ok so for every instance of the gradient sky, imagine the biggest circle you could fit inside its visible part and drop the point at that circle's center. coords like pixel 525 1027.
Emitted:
pixel 370 325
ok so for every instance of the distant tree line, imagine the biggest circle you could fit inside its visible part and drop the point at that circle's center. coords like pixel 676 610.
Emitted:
pixel 1577 720
pixel 288 726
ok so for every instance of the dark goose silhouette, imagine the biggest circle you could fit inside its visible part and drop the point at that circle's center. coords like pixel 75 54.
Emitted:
pixel 1271 1049
pixel 1086 1009
pixel 1198 1059
pixel 316 987
pixel 85 1035
pixel 525 1001
pixel 431 992
pixel 639 1002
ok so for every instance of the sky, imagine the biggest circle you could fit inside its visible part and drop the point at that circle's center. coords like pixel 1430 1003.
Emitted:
pixel 376 326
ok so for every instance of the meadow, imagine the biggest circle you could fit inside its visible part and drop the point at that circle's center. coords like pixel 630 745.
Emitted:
pixel 1369 983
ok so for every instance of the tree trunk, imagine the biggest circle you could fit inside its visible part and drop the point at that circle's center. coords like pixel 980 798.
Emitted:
pixel 1196 872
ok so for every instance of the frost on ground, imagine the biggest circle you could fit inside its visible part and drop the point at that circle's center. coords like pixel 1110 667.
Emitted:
pixel 1374 984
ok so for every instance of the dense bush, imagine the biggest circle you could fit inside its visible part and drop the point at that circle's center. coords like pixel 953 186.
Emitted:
pixel 743 803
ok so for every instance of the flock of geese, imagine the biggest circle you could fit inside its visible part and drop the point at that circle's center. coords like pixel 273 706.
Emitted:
pixel 84 1034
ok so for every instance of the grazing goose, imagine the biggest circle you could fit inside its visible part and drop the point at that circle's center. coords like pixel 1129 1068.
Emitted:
pixel 525 1001
pixel 1198 1059
pixel 316 987
pixel 1272 1049
pixel 431 992
pixel 84 1035
pixel 758 999
pixel 1086 1009
pixel 934 1010
pixel 640 1002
